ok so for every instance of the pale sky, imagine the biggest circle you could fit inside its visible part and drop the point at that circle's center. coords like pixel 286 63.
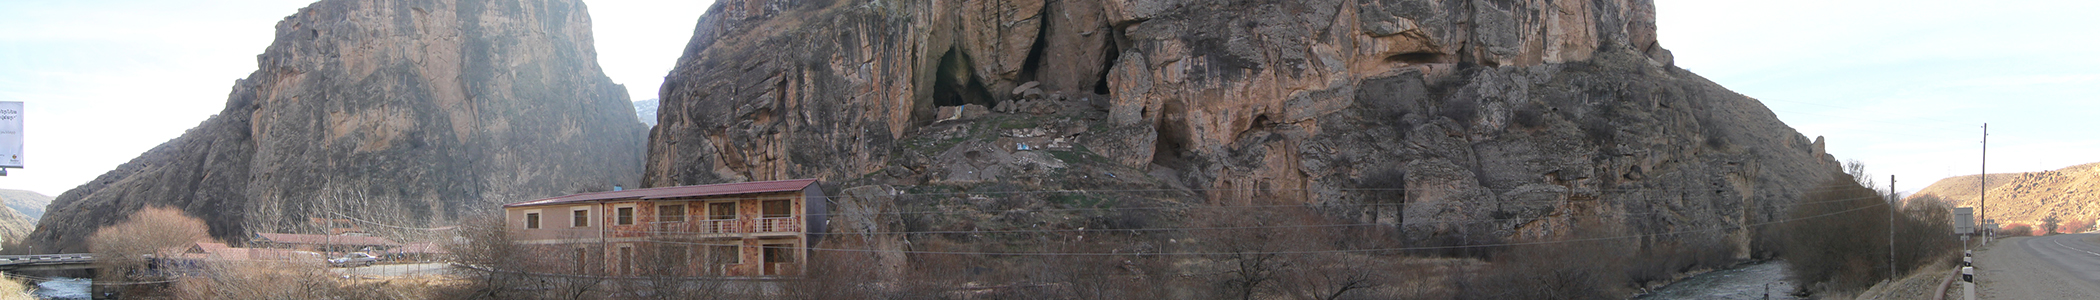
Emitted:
pixel 1905 86
pixel 1900 85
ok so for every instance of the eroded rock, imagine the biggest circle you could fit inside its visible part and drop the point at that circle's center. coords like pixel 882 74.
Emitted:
pixel 411 113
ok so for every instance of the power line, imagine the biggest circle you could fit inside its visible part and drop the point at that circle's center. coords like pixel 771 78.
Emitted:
pixel 1305 251
pixel 1404 223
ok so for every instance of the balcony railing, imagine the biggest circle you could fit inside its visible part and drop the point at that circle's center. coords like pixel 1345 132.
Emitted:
pixel 761 225
pixel 718 226
pixel 781 224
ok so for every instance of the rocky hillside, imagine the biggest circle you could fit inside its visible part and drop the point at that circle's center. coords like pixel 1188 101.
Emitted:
pixel 29 203
pixel 20 214
pixel 2068 193
pixel 408 112
pixel 14 225
pixel 1520 117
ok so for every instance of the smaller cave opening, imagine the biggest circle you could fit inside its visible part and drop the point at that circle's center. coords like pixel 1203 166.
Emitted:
pixel 1171 144
pixel 1108 64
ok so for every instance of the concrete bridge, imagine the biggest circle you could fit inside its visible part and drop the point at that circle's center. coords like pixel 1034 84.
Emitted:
pixel 42 262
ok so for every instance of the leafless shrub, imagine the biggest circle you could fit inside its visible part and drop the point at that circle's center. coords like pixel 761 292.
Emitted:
pixel 121 250
pixel 488 246
pixel 1923 234
pixel 839 275
pixel 1839 240
pixel 1583 268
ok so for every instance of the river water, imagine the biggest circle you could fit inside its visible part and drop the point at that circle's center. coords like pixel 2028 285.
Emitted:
pixel 62 288
pixel 1759 281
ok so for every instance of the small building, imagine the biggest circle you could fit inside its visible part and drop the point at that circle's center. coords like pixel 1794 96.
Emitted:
pixel 322 243
pixel 743 229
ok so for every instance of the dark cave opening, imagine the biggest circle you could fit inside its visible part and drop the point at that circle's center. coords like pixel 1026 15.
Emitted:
pixel 1172 143
pixel 1108 63
pixel 954 84
pixel 1033 64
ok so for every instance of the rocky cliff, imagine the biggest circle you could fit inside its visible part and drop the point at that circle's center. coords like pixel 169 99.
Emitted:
pixel 407 112
pixel 2070 193
pixel 1522 116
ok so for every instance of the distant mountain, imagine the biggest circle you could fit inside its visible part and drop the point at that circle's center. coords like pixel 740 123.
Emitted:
pixel 28 203
pixel 20 215
pixel 2070 193
pixel 646 109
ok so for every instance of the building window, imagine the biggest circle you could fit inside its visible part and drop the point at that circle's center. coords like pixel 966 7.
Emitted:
pixel 775 208
pixel 532 221
pixel 582 218
pixel 583 261
pixel 719 257
pixel 670 213
pixel 626 260
pixel 624 215
pixel 721 210
pixel 780 253
pixel 777 258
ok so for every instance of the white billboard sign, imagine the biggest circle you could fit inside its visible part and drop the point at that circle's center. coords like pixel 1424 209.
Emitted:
pixel 1964 220
pixel 10 134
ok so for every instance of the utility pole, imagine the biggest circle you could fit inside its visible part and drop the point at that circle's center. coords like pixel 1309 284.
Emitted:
pixel 1892 228
pixel 1983 176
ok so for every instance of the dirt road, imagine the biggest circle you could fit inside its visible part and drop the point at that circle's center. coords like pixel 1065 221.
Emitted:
pixel 2050 267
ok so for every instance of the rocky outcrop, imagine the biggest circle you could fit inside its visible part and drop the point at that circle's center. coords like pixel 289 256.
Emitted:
pixel 1522 117
pixel 412 113
pixel 2070 193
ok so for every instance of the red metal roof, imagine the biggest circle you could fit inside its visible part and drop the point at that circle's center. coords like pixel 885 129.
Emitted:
pixel 315 239
pixel 679 192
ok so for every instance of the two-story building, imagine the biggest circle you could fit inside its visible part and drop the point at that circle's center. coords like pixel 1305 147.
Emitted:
pixel 732 229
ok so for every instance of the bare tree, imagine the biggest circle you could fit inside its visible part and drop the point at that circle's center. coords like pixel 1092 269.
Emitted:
pixel 1258 249
pixel 2049 224
pixel 1858 171
pixel 123 249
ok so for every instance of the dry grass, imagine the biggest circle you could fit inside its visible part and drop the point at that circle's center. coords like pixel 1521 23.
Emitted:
pixel 294 280
pixel 15 290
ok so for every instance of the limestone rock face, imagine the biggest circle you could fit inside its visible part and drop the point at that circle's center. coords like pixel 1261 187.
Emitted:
pixel 1523 117
pixel 412 113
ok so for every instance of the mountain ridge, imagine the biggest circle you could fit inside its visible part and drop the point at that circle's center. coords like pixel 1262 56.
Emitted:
pixel 2068 193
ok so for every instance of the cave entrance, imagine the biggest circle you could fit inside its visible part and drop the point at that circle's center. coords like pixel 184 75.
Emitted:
pixel 954 84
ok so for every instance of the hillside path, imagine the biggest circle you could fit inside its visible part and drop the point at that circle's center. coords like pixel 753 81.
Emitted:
pixel 2063 266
